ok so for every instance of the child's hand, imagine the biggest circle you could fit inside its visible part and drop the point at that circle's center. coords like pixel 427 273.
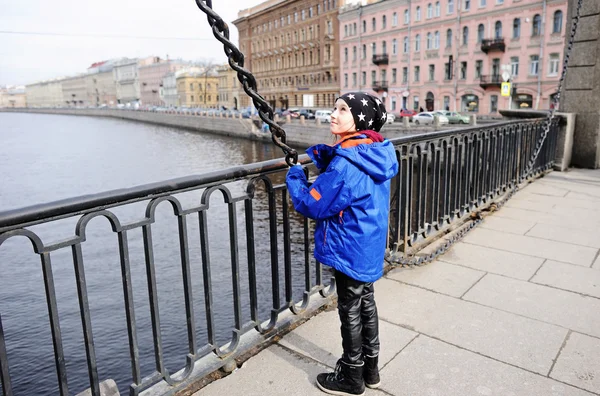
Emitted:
pixel 296 172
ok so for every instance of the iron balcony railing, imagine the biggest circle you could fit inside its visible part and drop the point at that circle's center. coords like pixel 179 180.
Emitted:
pixel 443 177
pixel 493 80
pixel 496 44
pixel 380 86
pixel 381 59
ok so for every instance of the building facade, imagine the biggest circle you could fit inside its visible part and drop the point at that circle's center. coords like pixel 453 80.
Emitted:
pixel 127 82
pixel 74 91
pixel 291 47
pixel 228 88
pixel 12 97
pixel 151 75
pixel 45 94
pixel 438 54
pixel 197 88
pixel 100 84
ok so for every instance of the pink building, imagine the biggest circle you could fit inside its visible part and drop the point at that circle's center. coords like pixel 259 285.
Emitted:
pixel 151 73
pixel 437 54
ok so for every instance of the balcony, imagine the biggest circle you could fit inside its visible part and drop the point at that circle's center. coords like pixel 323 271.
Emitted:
pixel 490 81
pixel 489 45
pixel 380 86
pixel 381 59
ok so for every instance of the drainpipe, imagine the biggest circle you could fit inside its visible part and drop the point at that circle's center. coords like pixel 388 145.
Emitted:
pixel 456 60
pixel 359 49
pixel 410 20
pixel 541 61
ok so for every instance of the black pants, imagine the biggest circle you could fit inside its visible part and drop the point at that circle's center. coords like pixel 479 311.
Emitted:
pixel 358 315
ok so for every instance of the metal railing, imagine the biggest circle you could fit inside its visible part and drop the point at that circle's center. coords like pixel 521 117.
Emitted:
pixel 443 177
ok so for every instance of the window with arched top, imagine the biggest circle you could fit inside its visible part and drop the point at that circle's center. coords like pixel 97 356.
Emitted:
pixel 383 22
pixel 395 19
pixel 536 27
pixel 516 28
pixel 428 44
pixel 429 11
pixel 480 32
pixel 557 22
pixel 417 43
pixel 437 9
pixel 449 38
pixel 373 24
pixel 384 48
pixel 436 40
pixel 418 14
pixel 465 35
pixel 395 46
pixel 498 30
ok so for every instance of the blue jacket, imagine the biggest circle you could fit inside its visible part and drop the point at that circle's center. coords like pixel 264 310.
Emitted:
pixel 350 202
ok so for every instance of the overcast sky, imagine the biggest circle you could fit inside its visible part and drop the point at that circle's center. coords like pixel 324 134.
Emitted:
pixel 58 47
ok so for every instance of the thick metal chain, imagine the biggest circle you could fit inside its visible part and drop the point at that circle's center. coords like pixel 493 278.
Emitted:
pixel 236 61
pixel 477 219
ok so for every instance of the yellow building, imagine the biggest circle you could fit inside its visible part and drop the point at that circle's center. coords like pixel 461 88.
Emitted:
pixel 12 97
pixel 198 89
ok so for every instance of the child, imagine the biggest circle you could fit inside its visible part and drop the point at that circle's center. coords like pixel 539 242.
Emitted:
pixel 350 201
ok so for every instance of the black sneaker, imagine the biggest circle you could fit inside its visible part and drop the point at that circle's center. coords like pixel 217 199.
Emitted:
pixel 347 379
pixel 371 372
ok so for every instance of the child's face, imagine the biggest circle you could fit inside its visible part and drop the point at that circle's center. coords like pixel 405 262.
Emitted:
pixel 341 119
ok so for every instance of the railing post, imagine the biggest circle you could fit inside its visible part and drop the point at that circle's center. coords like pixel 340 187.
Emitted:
pixel 473 119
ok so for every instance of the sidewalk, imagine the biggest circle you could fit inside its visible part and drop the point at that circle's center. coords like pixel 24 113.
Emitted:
pixel 513 309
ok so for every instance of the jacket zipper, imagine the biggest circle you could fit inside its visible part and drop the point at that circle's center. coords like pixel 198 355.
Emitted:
pixel 341 217
pixel 325 233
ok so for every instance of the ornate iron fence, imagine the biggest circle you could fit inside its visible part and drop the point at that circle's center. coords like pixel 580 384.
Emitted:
pixel 443 177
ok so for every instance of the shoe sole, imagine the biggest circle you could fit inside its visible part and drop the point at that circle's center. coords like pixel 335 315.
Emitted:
pixel 373 386
pixel 339 393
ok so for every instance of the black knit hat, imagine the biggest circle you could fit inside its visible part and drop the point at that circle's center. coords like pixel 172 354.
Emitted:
pixel 368 111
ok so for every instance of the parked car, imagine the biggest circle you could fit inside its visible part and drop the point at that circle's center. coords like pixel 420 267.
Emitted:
pixel 323 115
pixel 454 117
pixel 307 113
pixel 291 112
pixel 427 118
pixel 390 118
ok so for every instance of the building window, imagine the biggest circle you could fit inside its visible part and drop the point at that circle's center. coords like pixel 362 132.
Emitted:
pixel 417 43
pixel 345 30
pixel 499 1
pixel 394 47
pixel 373 76
pixel 516 28
pixel 384 48
pixel 373 49
pixel 537 25
pixel 191 86
pixel 498 30
pixel 436 40
pixel 353 54
pixel 354 79
pixel 418 14
pixel 303 15
pixel 310 12
pixel 395 19
pixel 394 76
pixel 383 22
pixel 534 62
pixel 557 22
pixel 346 55
pixel 383 75
pixel 447 103
pixel 406 17
pixel 494 103
pixel 450 9
pixel 393 103
pixel 416 103
pixel 417 73
pixel 447 71
pixel 553 67
pixel 478 68
pixel 465 35
pixel 467 5
pixel 345 80
pixel 482 3
pixel 354 28
pixel 429 11
pixel 431 72
pixel 364 27
pixel 480 32
pixel 364 51
pixel 295 17
pixel 437 8
pixel 514 66
pixel 373 24
pixel 449 38
pixel 463 70
pixel 364 78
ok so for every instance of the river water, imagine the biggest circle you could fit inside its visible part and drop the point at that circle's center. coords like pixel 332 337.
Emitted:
pixel 50 157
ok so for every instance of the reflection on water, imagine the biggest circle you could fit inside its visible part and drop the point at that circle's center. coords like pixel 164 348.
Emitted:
pixel 45 158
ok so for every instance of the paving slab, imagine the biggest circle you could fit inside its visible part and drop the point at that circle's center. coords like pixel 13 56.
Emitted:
pixel 579 362
pixel 308 339
pixel 563 308
pixel 569 277
pixel 579 214
pixel 538 247
pixel 580 186
pixel 504 336
pixel 441 277
pixel 596 264
pixel 495 261
pixel 574 195
pixel 507 225
pixel 273 371
pixel 578 202
pixel 538 206
pixel 564 234
pixel 429 367
pixel 544 218
pixel 544 189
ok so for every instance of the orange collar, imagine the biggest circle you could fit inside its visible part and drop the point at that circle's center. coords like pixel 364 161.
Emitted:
pixel 349 141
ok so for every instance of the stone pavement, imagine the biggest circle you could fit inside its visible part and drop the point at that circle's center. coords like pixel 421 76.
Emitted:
pixel 513 309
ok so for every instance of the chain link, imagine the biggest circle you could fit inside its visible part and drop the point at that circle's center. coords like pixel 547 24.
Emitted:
pixel 236 61
pixel 408 261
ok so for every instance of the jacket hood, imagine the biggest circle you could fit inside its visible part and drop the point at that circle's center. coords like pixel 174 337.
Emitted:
pixel 377 160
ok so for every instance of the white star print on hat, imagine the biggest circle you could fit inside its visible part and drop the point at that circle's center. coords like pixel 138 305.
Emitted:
pixel 351 96
pixel 364 102
pixel 361 117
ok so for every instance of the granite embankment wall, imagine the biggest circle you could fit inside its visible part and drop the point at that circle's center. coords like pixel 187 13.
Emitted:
pixel 297 135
